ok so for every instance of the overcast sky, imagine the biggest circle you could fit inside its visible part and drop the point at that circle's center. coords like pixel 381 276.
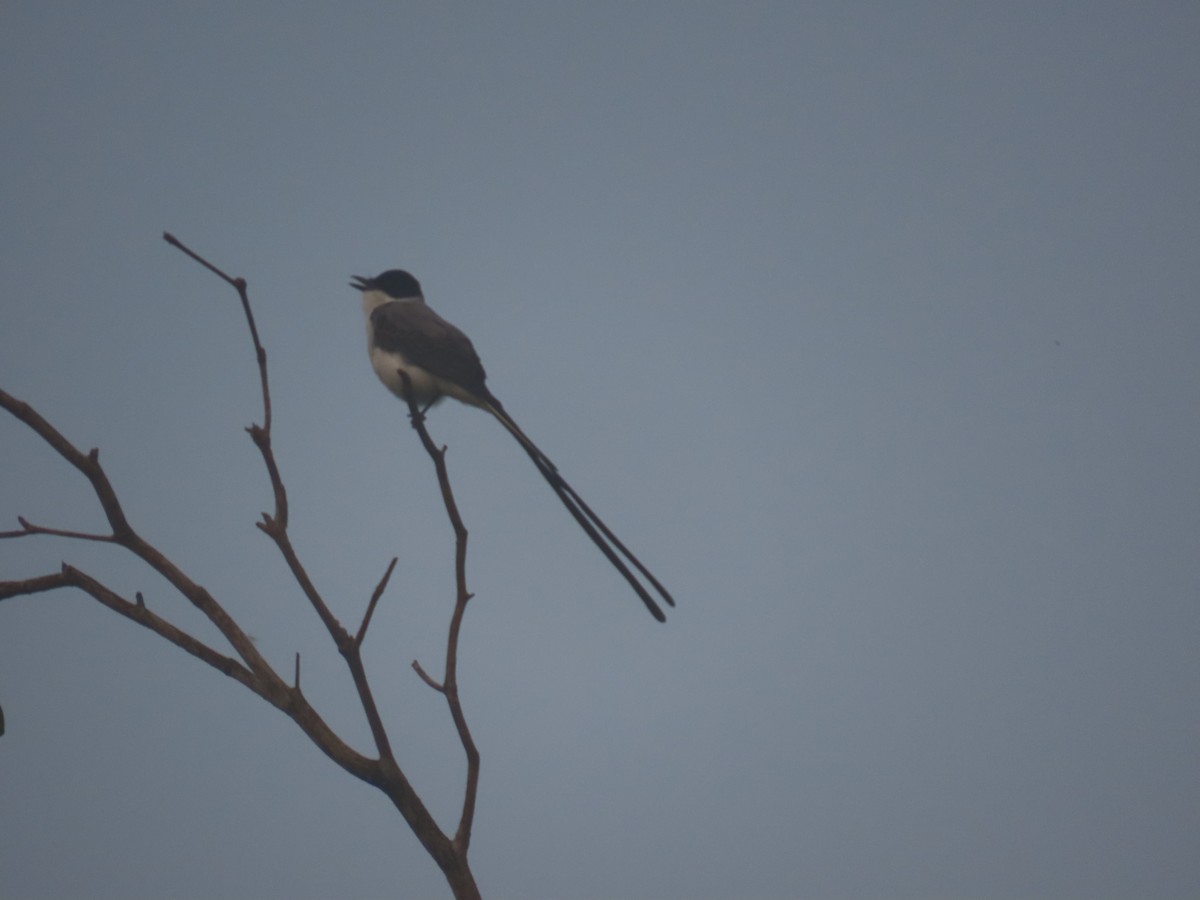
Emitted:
pixel 874 329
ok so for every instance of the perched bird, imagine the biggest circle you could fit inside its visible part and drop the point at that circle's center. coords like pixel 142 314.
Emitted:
pixel 405 335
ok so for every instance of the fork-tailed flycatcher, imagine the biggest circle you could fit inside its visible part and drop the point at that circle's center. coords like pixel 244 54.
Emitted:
pixel 405 335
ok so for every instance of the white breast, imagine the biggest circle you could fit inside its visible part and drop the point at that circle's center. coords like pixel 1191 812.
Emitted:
pixel 388 367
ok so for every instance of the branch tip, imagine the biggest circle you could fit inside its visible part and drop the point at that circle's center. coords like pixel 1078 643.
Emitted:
pixel 425 678
pixel 375 595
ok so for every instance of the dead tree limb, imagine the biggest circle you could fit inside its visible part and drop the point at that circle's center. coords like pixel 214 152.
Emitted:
pixel 246 665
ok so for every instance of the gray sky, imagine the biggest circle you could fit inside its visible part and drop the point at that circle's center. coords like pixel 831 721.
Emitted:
pixel 873 329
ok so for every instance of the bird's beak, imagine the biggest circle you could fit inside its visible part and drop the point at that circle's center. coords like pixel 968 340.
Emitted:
pixel 358 282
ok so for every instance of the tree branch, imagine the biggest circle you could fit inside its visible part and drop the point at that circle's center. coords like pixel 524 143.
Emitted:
pixel 33 585
pixel 124 534
pixel 252 670
pixel 88 464
pixel 375 595
pixel 449 685
pixel 275 526
pixel 239 285
pixel 138 612
pixel 28 528
pixel 450 856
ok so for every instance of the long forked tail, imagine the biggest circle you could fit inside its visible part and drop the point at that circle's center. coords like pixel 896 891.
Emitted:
pixel 609 544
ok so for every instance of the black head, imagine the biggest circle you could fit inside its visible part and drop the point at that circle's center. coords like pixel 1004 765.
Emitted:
pixel 394 282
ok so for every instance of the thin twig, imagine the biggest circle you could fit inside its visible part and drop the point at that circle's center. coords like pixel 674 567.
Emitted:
pixel 378 592
pixel 239 284
pixel 426 678
pixel 31 528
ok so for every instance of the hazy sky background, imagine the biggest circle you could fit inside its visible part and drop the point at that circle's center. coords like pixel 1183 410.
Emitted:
pixel 873 328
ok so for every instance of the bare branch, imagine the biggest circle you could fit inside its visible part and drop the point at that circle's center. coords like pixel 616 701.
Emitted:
pixel 449 685
pixel 261 435
pixel 425 677
pixel 277 532
pixel 275 526
pixel 137 612
pixel 378 592
pixel 260 354
pixel 30 528
pixel 175 242
pixel 88 464
pixel 256 674
pixel 252 670
pixel 238 284
pixel 124 534
pixel 33 585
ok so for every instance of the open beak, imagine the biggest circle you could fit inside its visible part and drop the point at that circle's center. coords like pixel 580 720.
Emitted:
pixel 359 283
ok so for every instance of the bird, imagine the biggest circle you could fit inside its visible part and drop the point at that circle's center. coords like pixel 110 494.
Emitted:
pixel 405 336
